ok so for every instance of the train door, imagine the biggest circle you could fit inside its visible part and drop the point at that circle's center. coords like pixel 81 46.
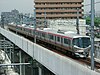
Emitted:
pixel 67 43
pixel 46 36
pixel 51 37
pixel 58 39
pixel 43 35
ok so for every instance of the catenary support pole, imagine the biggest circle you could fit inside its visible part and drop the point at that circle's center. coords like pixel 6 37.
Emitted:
pixel 45 21
pixel 20 57
pixel 77 21
pixel 34 25
pixel 92 34
pixel 40 71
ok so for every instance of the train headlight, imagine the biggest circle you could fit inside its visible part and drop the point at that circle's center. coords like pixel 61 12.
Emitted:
pixel 75 46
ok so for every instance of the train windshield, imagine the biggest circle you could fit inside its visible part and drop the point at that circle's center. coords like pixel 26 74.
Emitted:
pixel 81 42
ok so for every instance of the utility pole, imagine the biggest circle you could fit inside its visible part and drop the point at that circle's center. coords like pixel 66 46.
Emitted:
pixel 34 25
pixel 21 18
pixel 45 22
pixel 77 21
pixel 92 34
pixel 20 59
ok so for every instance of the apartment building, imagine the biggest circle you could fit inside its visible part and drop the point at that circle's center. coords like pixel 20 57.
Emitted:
pixel 9 17
pixel 58 9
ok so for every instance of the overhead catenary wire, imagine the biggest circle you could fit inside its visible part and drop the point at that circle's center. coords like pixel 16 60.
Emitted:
pixel 94 3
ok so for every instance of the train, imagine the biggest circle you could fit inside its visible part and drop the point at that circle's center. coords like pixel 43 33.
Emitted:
pixel 74 44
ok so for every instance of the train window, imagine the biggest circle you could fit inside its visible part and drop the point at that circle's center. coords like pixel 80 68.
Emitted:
pixel 34 32
pixel 46 35
pixel 18 28
pixel 55 37
pixel 61 40
pixel 58 39
pixel 43 35
pixel 24 29
pixel 51 37
pixel 29 31
pixel 66 41
pixel 81 42
pixel 38 33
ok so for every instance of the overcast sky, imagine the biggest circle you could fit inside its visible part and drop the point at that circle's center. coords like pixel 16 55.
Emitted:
pixel 87 8
pixel 26 6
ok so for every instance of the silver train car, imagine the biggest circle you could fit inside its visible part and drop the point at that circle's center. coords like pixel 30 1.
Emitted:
pixel 71 43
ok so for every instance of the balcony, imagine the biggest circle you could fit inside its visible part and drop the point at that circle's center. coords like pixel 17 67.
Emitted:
pixel 58 15
pixel 57 1
pixel 58 6
pixel 57 10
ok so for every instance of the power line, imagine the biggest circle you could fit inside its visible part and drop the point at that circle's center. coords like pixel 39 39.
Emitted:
pixel 94 3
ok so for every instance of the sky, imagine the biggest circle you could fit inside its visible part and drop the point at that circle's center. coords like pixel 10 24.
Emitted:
pixel 24 6
pixel 27 6
pixel 88 8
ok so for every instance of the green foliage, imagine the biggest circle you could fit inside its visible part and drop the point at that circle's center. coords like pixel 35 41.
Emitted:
pixel 97 36
pixel 96 21
pixel 88 21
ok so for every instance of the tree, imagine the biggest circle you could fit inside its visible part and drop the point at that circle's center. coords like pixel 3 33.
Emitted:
pixel 96 21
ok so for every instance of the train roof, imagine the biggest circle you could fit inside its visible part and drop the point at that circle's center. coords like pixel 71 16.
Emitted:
pixel 69 34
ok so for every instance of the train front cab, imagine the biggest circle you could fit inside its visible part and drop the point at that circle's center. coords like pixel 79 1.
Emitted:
pixel 81 46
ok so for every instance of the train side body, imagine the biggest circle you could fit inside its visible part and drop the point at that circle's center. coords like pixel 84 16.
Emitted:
pixel 77 45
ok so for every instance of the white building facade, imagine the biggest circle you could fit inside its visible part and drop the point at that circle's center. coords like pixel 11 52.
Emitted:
pixel 68 25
